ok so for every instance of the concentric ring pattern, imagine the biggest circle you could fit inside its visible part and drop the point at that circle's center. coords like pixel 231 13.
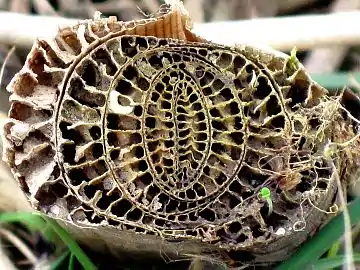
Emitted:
pixel 172 125
pixel 166 126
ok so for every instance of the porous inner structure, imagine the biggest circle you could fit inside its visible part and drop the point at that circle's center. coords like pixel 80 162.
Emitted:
pixel 175 139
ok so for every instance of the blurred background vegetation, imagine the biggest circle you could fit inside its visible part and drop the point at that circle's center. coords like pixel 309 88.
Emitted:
pixel 30 242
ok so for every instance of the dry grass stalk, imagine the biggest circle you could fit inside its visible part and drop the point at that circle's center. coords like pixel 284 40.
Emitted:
pixel 196 10
pixel 151 5
pixel 43 7
pixel 21 6
pixel 304 32
pixel 328 59
pixel 2 69
pixel 19 244
pixel 5 261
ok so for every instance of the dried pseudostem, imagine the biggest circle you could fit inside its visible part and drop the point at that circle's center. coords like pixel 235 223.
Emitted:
pixel 141 136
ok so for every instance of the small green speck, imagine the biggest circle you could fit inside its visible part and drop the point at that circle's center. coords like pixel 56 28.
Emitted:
pixel 265 193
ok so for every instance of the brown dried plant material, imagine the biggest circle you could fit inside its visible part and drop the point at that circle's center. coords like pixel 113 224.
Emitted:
pixel 143 138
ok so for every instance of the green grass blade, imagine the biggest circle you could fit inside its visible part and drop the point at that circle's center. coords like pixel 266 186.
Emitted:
pixel 329 263
pixel 72 245
pixel 334 249
pixel 72 262
pixel 29 218
pixel 56 264
pixel 310 251
pixel 33 221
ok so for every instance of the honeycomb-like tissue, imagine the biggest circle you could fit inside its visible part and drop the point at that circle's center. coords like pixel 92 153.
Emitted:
pixel 141 136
